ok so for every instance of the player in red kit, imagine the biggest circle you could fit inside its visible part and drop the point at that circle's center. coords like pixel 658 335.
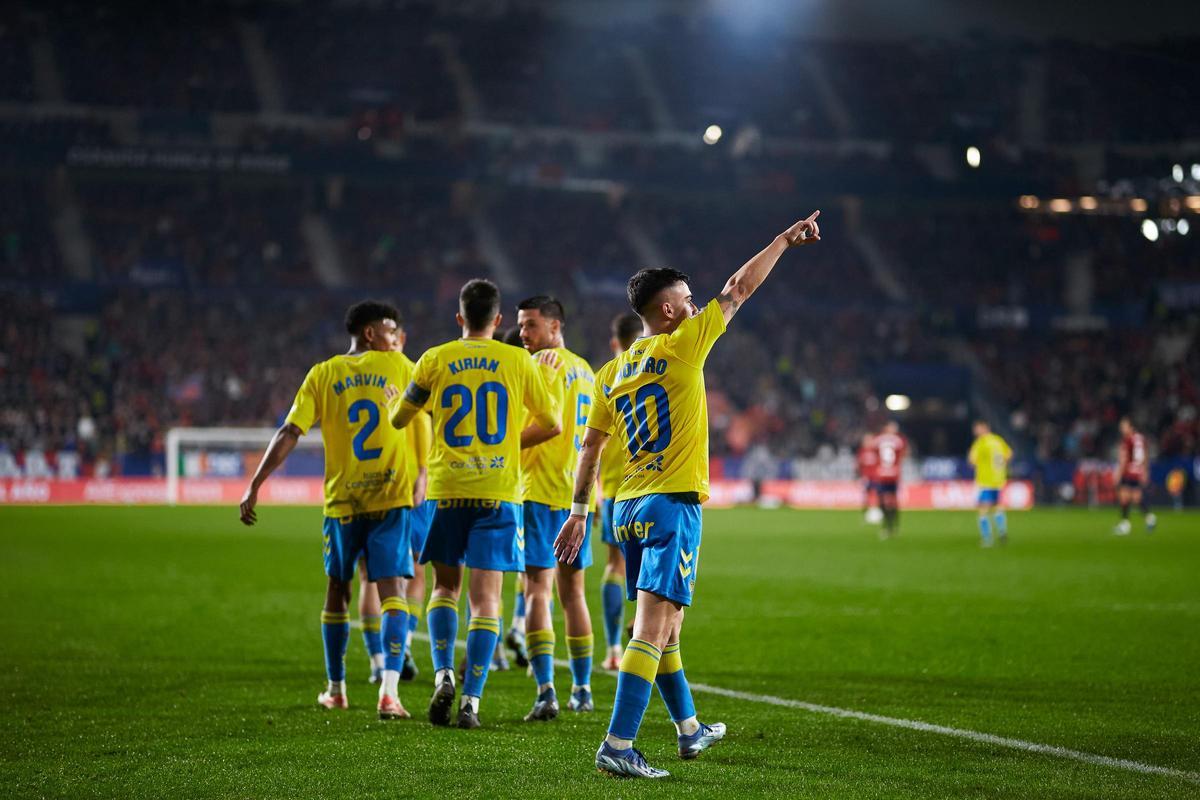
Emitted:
pixel 1133 474
pixel 868 460
pixel 890 447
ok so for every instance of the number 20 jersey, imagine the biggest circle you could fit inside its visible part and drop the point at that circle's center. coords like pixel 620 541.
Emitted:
pixel 651 400
pixel 367 463
pixel 477 391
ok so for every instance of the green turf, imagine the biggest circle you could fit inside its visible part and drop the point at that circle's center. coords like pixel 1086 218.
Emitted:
pixel 155 652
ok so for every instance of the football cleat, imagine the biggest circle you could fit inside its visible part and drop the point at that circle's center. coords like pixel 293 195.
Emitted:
pixel 545 708
pixel 409 670
pixel 442 702
pixel 581 700
pixel 626 763
pixel 515 640
pixel 612 663
pixel 1122 529
pixel 376 675
pixel 985 542
pixel 500 661
pixel 390 708
pixel 705 737
pixel 468 718
pixel 1151 523
pixel 328 700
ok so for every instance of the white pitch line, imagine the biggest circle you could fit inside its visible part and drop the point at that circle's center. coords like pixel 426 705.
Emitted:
pixel 916 725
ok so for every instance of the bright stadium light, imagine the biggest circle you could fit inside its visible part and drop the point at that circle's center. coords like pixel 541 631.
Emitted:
pixel 1138 205
pixel 712 134
pixel 897 402
pixel 1183 227
pixel 1029 201
pixel 1060 205
pixel 1177 173
pixel 1088 203
pixel 1196 172
pixel 1150 229
pixel 973 157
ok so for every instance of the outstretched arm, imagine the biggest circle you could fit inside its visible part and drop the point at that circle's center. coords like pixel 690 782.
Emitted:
pixel 742 283
pixel 282 444
pixel 570 538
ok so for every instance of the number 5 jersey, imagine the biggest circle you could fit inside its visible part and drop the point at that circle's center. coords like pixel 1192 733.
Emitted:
pixel 651 400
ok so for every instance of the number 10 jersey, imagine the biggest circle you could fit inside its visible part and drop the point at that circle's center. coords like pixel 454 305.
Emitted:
pixel 651 400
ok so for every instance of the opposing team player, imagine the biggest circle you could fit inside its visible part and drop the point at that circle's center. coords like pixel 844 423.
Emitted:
pixel 890 447
pixel 652 398
pixel 368 489
pixel 989 455
pixel 547 483
pixel 478 390
pixel 867 461
pixel 1133 475
pixel 626 328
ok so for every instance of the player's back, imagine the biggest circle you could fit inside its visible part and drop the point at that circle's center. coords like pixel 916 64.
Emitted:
pixel 890 449
pixel 990 453
pixel 367 464
pixel 651 398
pixel 477 391
pixel 548 469
pixel 1133 446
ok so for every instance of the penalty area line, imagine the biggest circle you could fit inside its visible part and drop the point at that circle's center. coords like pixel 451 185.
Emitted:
pixel 1008 742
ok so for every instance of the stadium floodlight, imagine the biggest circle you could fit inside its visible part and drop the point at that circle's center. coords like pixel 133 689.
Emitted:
pixel 1150 229
pixel 1088 203
pixel 712 134
pixel 974 158
pixel 897 402
pixel 192 454
pixel 1196 172
pixel 1183 227
pixel 1060 205
pixel 1029 201
pixel 1177 173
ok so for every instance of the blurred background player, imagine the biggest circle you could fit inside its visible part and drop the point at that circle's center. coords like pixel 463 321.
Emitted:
pixel 480 390
pixel 1133 475
pixel 547 481
pixel 890 447
pixel 625 328
pixel 368 489
pixel 989 455
pixel 657 518
pixel 867 461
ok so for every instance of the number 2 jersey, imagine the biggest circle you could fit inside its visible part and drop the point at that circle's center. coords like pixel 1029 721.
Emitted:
pixel 477 391
pixel 651 400
pixel 548 469
pixel 368 463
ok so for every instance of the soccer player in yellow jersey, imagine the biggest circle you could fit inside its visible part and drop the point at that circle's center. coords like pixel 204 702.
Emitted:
pixel 626 328
pixel 651 397
pixel 547 483
pixel 990 455
pixel 368 489
pixel 477 390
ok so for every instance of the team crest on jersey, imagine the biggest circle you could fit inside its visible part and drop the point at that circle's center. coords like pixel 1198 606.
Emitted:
pixel 654 465
pixel 497 462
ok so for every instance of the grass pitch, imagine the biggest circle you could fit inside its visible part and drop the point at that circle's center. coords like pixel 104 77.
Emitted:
pixel 154 652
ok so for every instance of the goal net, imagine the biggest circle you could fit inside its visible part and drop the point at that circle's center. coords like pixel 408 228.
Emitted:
pixel 213 466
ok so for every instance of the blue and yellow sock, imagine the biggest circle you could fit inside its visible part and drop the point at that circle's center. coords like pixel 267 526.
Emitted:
pixel 673 686
pixel 612 595
pixel 442 616
pixel 335 633
pixel 395 631
pixel 985 528
pixel 482 635
pixel 1001 524
pixel 541 655
pixel 579 649
pixel 519 610
pixel 372 638
pixel 639 666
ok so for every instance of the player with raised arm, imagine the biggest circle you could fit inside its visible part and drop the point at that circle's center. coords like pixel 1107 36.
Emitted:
pixel 1133 475
pixel 890 447
pixel 652 398
pixel 368 489
pixel 989 455
pixel 547 484
pixel 478 390
pixel 625 329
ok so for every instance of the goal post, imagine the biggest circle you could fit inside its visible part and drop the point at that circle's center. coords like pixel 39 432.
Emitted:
pixel 210 464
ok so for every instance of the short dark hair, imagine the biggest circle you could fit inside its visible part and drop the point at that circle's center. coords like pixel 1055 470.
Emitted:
pixel 647 283
pixel 360 315
pixel 513 336
pixel 626 328
pixel 547 305
pixel 479 302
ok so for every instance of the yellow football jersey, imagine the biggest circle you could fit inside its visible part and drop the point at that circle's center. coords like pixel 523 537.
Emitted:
pixel 367 465
pixel 990 455
pixel 548 470
pixel 477 391
pixel 651 399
